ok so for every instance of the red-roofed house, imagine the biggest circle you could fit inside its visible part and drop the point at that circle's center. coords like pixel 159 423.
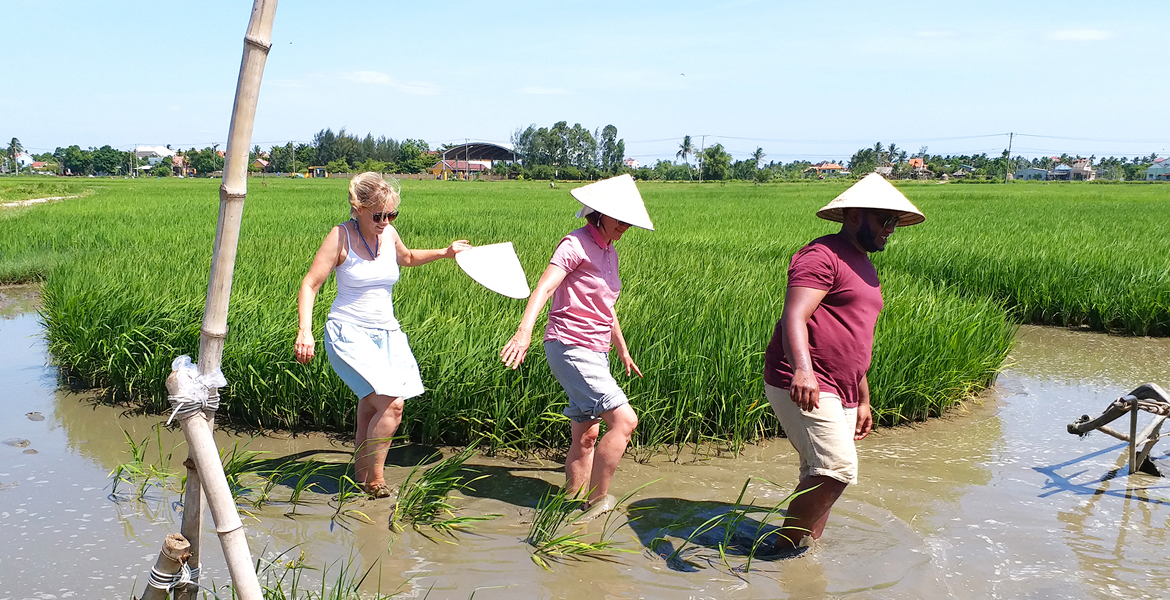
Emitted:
pixel 826 169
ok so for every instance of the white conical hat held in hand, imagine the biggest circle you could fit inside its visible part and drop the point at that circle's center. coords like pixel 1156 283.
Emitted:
pixel 873 191
pixel 616 197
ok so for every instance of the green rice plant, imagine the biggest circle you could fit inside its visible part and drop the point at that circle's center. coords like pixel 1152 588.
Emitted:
pixel 730 522
pixel 555 513
pixel 285 579
pixel 139 473
pixel 301 473
pixel 348 491
pixel 699 301
pixel 423 496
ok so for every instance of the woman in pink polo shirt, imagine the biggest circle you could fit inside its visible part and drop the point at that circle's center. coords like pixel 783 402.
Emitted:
pixel 582 279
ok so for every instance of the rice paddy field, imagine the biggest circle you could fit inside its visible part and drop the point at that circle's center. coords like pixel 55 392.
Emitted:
pixel 124 272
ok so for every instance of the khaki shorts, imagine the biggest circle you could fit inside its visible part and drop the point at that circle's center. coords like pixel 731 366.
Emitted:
pixel 823 438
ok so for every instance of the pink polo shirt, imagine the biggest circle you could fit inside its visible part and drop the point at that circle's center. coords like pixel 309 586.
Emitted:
pixel 581 313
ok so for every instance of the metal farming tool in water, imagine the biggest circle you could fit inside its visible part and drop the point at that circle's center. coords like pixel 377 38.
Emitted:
pixel 1149 398
pixel 196 411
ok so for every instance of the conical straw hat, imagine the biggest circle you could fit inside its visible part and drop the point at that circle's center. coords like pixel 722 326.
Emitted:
pixel 617 197
pixel 496 267
pixel 873 191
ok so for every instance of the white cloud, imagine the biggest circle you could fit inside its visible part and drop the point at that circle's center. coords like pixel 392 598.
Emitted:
pixel 1079 35
pixel 543 91
pixel 416 88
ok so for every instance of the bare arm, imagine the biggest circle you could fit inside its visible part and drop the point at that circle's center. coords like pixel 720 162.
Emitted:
pixel 517 347
pixel 623 349
pixel 799 304
pixel 328 257
pixel 864 411
pixel 414 258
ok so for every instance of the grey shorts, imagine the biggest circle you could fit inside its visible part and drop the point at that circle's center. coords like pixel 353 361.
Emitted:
pixel 822 437
pixel 585 375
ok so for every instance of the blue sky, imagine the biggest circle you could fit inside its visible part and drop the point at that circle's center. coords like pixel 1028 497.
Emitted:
pixel 811 80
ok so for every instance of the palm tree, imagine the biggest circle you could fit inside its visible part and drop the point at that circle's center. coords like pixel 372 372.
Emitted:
pixel 15 148
pixel 685 149
pixel 758 156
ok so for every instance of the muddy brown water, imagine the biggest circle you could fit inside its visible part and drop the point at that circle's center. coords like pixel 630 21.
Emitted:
pixel 995 500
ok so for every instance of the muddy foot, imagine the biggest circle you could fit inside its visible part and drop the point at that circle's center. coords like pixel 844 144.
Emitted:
pixel 597 509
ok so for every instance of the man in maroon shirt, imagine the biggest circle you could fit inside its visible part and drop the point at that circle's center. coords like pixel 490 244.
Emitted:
pixel 816 364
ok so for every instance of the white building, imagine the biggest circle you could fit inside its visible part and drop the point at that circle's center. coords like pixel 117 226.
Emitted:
pixel 631 163
pixel 153 154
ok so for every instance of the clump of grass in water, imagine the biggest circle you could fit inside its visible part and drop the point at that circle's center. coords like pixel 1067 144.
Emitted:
pixel 423 497
pixel 140 474
pixel 284 580
pixel 555 512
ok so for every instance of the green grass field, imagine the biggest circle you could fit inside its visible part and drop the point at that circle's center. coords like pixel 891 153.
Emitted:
pixel 125 276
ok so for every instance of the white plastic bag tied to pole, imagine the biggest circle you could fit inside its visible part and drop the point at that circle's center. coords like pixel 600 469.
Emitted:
pixel 193 392
pixel 497 268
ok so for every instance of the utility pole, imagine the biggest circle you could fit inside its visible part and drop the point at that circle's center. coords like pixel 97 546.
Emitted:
pixel 702 147
pixel 1009 155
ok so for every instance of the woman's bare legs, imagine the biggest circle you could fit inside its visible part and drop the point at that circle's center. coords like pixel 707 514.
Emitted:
pixel 591 465
pixel 378 418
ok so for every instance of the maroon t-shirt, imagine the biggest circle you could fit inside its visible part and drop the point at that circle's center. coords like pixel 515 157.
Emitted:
pixel 840 331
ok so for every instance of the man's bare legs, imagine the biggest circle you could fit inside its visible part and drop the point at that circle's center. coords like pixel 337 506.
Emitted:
pixel 590 465
pixel 378 418
pixel 808 512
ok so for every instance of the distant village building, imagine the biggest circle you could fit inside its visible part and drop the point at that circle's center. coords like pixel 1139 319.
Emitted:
pixel 1082 170
pixel 24 159
pixel 826 169
pixel 1159 171
pixel 631 163
pixel 1060 173
pixel 1032 173
pixel 919 169
pixel 458 169
pixel 153 154
pixel 260 164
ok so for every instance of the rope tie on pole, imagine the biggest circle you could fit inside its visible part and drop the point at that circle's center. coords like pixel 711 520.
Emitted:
pixel 170 581
pixel 191 391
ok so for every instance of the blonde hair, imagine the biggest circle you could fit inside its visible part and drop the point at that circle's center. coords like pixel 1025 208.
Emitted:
pixel 370 189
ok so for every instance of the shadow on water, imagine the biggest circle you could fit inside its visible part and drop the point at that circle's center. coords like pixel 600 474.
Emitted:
pixel 685 532
pixel 1058 483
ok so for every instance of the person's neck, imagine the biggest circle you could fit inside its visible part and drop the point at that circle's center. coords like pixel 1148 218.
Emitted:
pixel 362 230
pixel 852 237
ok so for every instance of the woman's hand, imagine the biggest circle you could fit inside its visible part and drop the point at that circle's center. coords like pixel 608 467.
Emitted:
pixel 806 392
pixel 456 247
pixel 516 348
pixel 305 347
pixel 628 361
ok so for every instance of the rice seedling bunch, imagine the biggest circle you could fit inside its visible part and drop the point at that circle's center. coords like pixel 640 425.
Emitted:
pixel 125 276
pixel 423 498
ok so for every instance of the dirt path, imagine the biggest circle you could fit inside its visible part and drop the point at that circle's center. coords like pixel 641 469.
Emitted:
pixel 34 201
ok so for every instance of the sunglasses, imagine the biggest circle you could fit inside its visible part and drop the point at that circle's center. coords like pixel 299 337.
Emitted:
pixel 890 221
pixel 385 216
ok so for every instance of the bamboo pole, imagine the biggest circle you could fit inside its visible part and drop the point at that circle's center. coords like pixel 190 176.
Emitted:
pixel 171 559
pixel 192 526
pixel 209 480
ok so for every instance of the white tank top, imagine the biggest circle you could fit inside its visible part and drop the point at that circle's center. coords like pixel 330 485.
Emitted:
pixel 365 289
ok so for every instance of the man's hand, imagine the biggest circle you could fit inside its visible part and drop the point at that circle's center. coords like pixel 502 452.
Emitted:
pixel 806 392
pixel 864 421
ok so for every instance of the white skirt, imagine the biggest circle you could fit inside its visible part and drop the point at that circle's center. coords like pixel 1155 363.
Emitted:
pixel 372 361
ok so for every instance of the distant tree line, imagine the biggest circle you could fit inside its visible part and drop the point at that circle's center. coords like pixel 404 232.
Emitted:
pixel 982 166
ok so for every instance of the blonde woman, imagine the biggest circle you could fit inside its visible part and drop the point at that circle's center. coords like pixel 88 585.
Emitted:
pixel 366 347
